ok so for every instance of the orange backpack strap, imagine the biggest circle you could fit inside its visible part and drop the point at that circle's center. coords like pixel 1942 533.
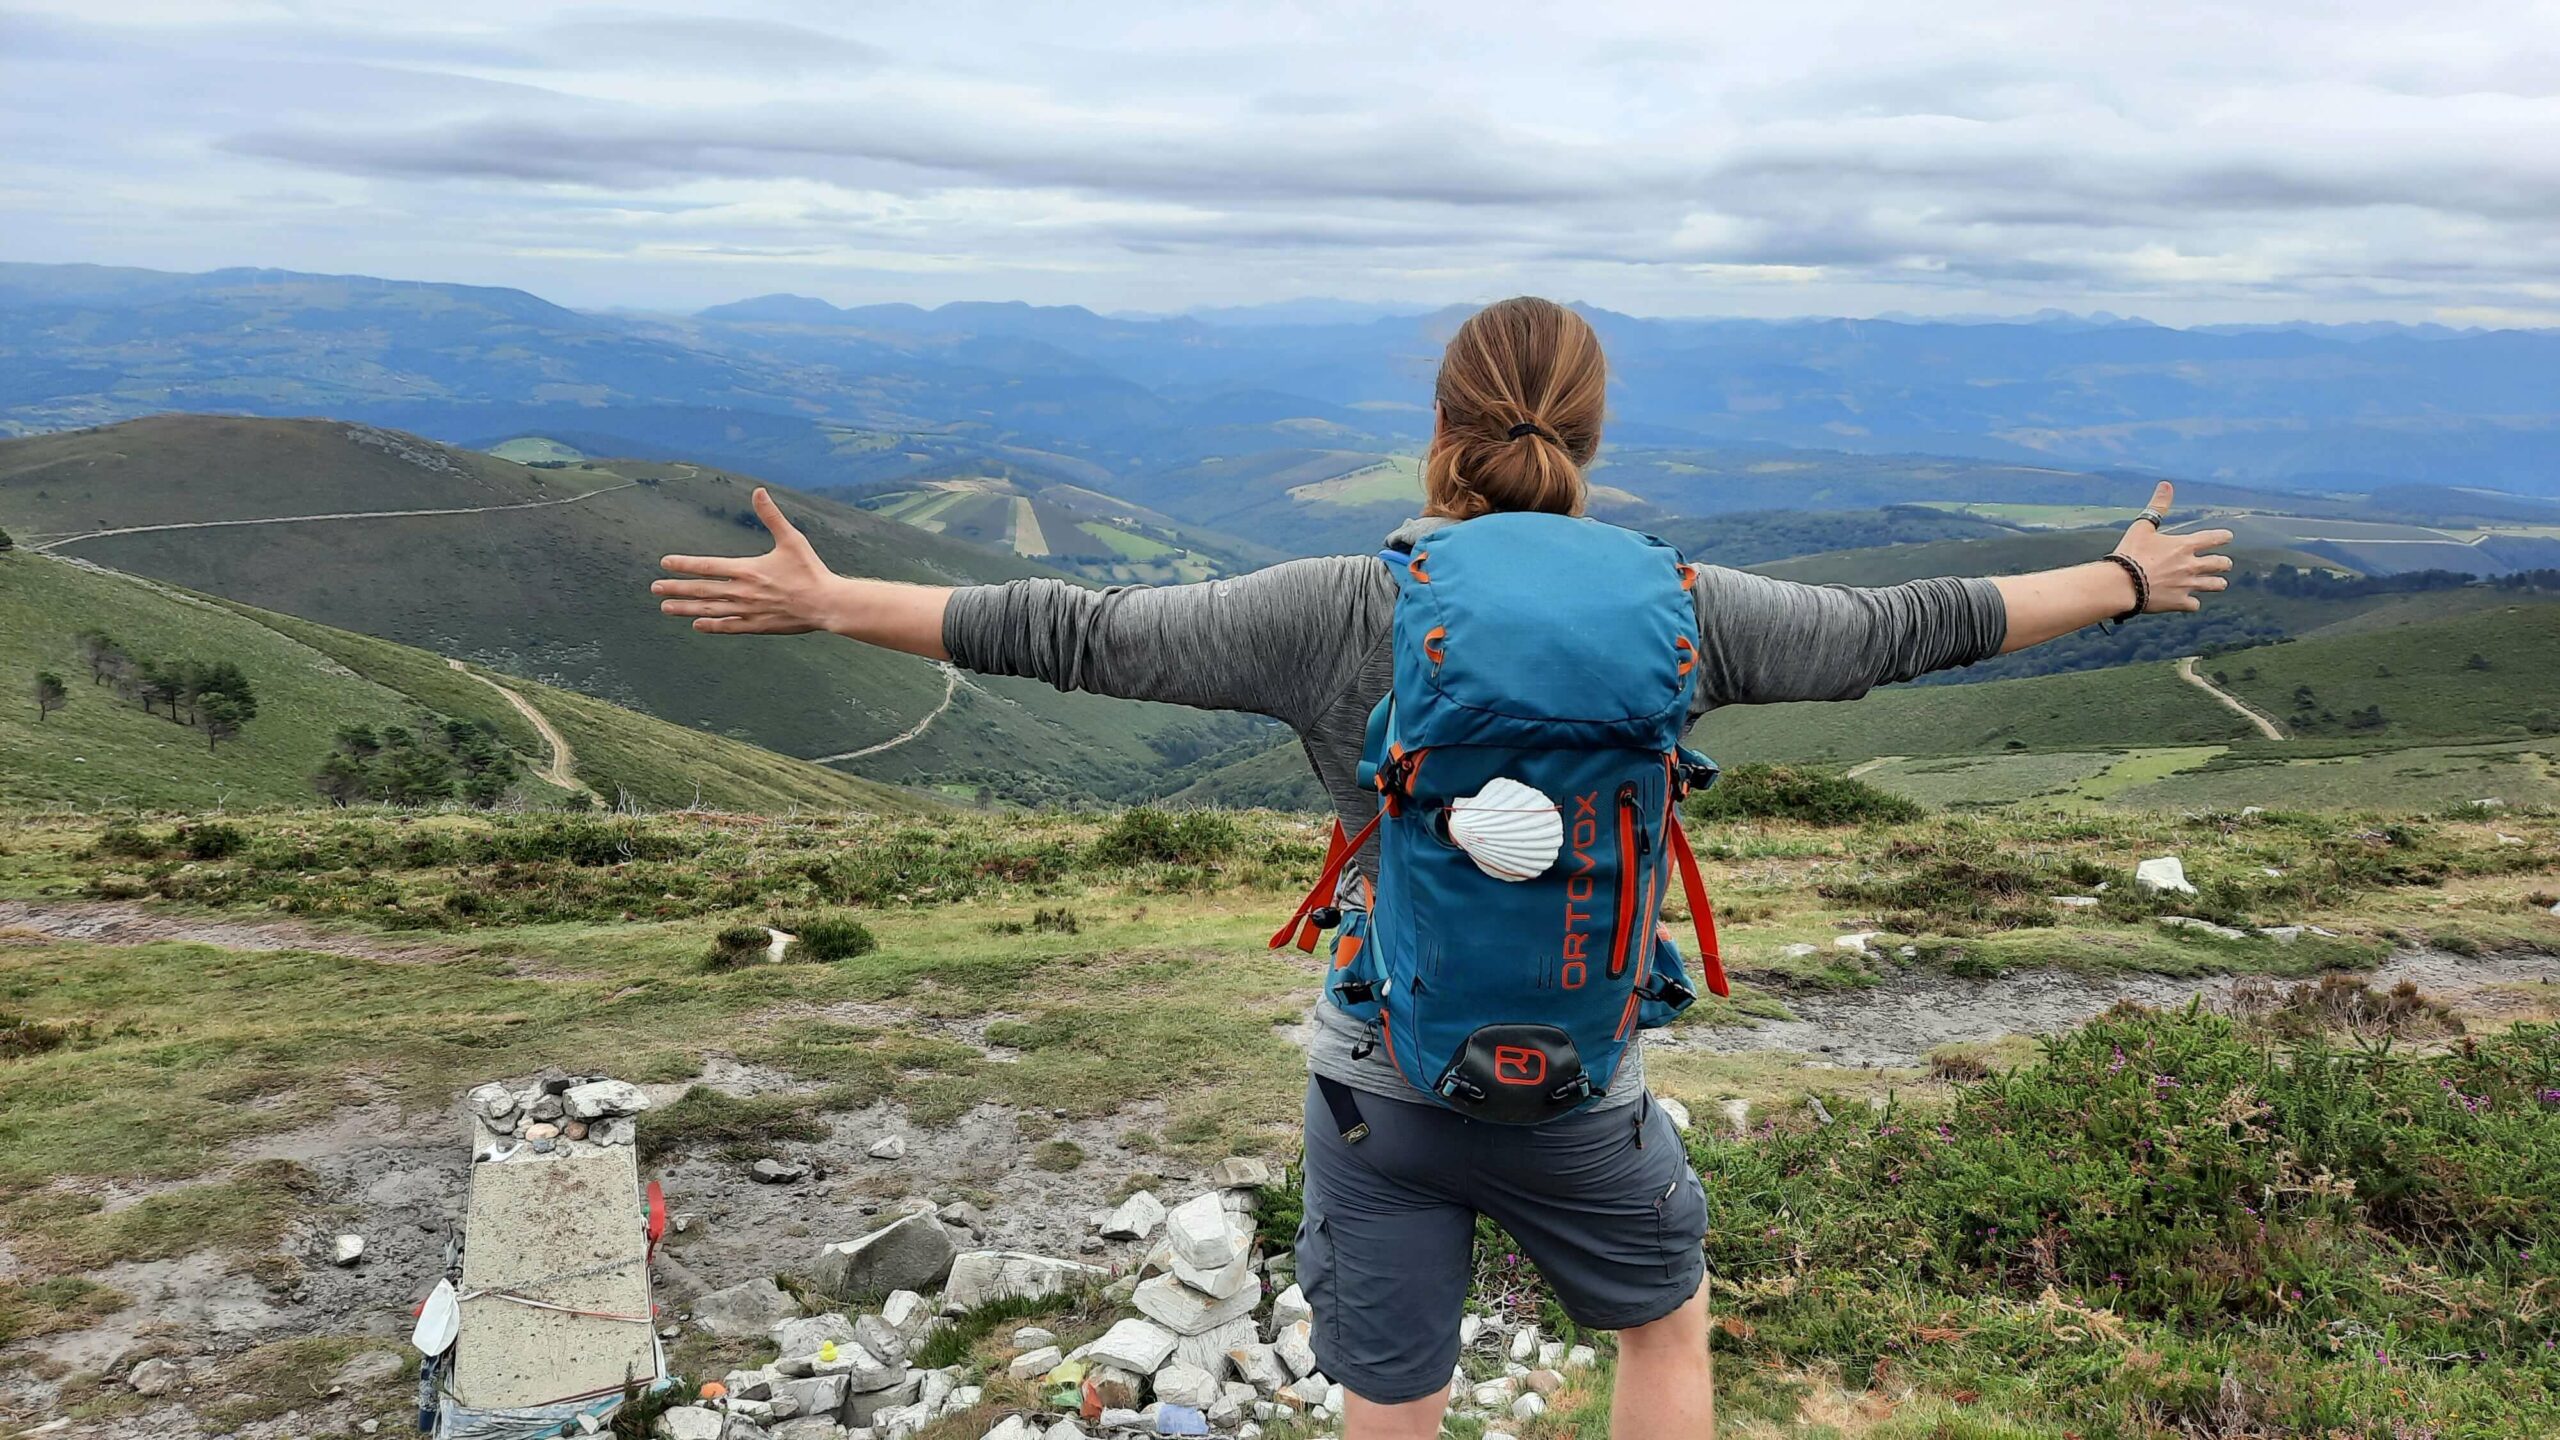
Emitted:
pixel 1337 853
pixel 1700 911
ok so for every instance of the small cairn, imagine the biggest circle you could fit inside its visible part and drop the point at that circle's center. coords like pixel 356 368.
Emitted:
pixel 556 1115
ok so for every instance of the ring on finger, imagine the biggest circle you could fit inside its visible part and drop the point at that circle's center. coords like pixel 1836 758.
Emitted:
pixel 2155 516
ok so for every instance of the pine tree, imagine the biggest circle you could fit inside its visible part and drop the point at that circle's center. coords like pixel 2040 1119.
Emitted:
pixel 222 717
pixel 50 696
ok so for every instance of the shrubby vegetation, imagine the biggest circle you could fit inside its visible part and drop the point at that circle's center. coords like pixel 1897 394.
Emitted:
pixel 1800 792
pixel 2172 1224
pixel 212 696
pixel 454 759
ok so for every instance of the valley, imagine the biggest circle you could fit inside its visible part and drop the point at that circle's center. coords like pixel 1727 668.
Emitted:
pixel 369 774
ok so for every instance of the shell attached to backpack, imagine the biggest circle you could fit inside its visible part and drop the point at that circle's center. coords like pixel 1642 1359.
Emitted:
pixel 1512 831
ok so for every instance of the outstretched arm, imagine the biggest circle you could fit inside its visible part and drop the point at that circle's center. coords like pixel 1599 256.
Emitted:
pixel 1774 640
pixel 790 591
pixel 1273 642
pixel 2177 573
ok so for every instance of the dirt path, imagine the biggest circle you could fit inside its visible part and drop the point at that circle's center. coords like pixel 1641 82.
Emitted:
pixel 116 923
pixel 1863 766
pixel 336 515
pixel 2227 700
pixel 562 768
pixel 950 689
pixel 1028 538
pixel 1898 1022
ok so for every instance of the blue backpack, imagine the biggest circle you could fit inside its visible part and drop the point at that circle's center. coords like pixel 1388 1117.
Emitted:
pixel 1529 770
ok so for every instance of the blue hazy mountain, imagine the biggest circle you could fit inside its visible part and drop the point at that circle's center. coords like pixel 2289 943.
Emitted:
pixel 821 394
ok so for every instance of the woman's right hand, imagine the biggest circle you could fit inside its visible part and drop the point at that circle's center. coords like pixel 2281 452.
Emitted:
pixel 787 590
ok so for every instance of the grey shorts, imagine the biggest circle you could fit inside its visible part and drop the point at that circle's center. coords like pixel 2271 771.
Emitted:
pixel 1605 1205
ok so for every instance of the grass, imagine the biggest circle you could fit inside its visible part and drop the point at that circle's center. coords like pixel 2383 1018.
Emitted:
pixel 2482 675
pixel 2166 1223
pixel 2088 710
pixel 1110 967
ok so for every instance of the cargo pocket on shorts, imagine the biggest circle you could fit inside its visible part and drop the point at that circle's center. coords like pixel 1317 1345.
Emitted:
pixel 1680 1223
pixel 1316 1275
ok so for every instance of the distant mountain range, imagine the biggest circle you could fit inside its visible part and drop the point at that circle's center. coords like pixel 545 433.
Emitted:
pixel 810 393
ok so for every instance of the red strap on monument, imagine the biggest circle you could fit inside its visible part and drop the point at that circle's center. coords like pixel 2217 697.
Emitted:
pixel 1700 911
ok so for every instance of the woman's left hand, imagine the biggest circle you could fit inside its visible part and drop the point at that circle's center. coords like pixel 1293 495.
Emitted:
pixel 2181 574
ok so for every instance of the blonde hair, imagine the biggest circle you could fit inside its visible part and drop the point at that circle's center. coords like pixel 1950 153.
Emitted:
pixel 1521 390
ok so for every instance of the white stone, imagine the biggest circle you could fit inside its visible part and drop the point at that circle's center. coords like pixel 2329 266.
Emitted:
pixel 2162 873
pixel 1135 1344
pixel 906 1311
pixel 1550 1354
pixel 1581 1357
pixel 889 1147
pixel 1309 1389
pixel 1012 1427
pixel 1492 1394
pixel 1796 951
pixel 962 1397
pixel 1258 1365
pixel 1135 1219
pixel 1678 1112
pixel 1240 1172
pixel 604 1097
pixel 1294 1350
pixel 1469 1327
pixel 1223 1282
pixel 2190 922
pixel 2491 802
pixel 1032 1337
pixel 1208 1349
pixel 1529 1406
pixel 1064 1430
pixel 1292 1307
pixel 1181 1384
pixel 689 1422
pixel 1855 944
pixel 932 1388
pixel 1031 1364
pixel 346 1251
pixel 155 1377
pixel 900 1421
pixel 1186 1311
pixel 1200 1234
pixel 2076 902
pixel 1118 1417
pixel 2281 934
pixel 1524 1343
pixel 984 1275
pixel 1737 1114
pixel 492 1102
pixel 817 1395
pixel 803 1335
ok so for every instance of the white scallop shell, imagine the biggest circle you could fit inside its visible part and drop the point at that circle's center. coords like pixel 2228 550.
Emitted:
pixel 1512 831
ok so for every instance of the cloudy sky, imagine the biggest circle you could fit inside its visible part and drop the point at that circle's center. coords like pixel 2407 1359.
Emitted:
pixel 2342 159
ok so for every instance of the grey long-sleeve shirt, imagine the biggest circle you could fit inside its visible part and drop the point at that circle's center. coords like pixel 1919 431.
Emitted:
pixel 1307 643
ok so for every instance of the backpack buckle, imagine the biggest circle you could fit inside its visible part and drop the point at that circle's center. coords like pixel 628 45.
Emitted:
pixel 1356 992
pixel 1670 992
pixel 1698 774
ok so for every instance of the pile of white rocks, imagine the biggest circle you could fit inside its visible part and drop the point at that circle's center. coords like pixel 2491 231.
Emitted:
pixel 1202 1354
pixel 557 1115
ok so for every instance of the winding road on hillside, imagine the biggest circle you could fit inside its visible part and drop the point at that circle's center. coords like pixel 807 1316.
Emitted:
pixel 562 768
pixel 63 540
pixel 2229 701
pixel 950 689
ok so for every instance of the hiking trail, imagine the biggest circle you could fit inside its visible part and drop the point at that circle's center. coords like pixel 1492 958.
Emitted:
pixel 2229 701
pixel 562 768
pixel 62 540
pixel 950 690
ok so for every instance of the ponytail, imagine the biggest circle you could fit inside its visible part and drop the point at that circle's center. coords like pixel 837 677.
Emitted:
pixel 1521 391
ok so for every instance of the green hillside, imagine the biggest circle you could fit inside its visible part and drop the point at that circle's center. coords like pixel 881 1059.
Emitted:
pixel 2490 673
pixel 101 750
pixel 2089 710
pixel 2420 676
pixel 1273 779
pixel 556 592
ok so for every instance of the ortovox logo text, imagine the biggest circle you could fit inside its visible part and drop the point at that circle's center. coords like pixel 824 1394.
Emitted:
pixel 1519 1065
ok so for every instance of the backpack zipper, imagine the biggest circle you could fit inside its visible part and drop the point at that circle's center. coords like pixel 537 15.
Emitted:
pixel 1631 851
